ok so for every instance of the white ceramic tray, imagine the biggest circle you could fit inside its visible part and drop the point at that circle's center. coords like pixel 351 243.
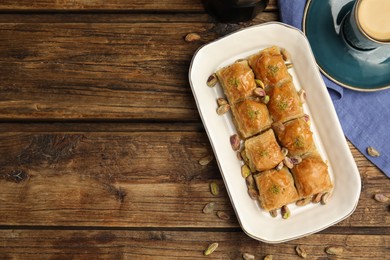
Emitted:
pixel 325 125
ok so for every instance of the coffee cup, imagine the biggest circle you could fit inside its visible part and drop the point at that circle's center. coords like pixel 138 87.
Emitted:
pixel 367 26
pixel 233 11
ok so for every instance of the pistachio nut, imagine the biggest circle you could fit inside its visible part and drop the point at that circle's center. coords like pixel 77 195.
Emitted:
pixel 325 198
pixel 278 126
pixel 260 83
pixel 259 92
pixel 265 99
pixel 303 202
pixel 223 109
pixel 206 160
pixel 317 198
pixel 334 250
pixel 302 95
pixel 287 161
pixel 285 54
pixel 212 80
pixel 373 152
pixel 210 249
pixel 250 181
pixel 381 198
pixel 268 257
pixel 235 142
pixel 285 211
pixel 289 65
pixel 296 159
pixel 191 37
pixel 247 256
pixel 301 251
pixel 208 208
pixel 222 215
pixel 273 213
pixel 214 188
pixel 279 166
pixel 253 193
pixel 245 171
pixel 221 101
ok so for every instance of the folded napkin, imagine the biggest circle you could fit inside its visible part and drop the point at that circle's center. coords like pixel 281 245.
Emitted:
pixel 364 116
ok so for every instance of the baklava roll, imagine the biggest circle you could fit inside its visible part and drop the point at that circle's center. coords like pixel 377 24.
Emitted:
pixel 237 81
pixel 296 136
pixel 250 117
pixel 276 188
pixel 311 176
pixel 284 103
pixel 268 66
pixel 263 151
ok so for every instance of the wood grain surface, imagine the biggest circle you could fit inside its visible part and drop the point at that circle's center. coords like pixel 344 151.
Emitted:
pixel 100 140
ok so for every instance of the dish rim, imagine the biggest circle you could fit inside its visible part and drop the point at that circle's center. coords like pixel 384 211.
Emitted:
pixel 358 179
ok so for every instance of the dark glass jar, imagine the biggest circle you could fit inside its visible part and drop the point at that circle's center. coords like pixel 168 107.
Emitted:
pixel 233 11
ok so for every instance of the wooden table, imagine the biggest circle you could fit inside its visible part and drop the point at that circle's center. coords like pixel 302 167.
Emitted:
pixel 100 139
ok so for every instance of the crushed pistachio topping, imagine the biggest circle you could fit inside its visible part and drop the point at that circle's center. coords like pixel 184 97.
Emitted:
pixel 274 189
pixel 299 142
pixel 234 82
pixel 282 105
pixel 272 69
pixel 263 153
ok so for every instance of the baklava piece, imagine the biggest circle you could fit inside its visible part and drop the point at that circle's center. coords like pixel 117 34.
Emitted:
pixel 263 152
pixel 251 117
pixel 237 81
pixel 296 136
pixel 311 176
pixel 276 188
pixel 268 66
pixel 284 103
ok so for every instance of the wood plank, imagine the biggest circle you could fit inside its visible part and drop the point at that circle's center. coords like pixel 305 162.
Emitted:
pixel 111 5
pixel 89 71
pixel 129 179
pixel 84 71
pixel 108 244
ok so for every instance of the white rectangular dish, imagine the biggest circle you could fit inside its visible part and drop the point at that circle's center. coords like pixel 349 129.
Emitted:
pixel 328 135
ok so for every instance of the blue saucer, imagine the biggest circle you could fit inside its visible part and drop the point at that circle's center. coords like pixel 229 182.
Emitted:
pixel 343 64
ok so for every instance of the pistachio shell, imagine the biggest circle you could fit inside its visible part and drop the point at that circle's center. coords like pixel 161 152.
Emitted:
pixel 317 198
pixel 334 250
pixel 381 198
pixel 325 198
pixel 221 101
pixel 373 152
pixel 287 161
pixel 253 193
pixel 285 54
pixel 250 181
pixel 259 92
pixel 303 202
pixel 273 213
pixel 269 257
pixel 223 109
pixel 301 251
pixel 223 215
pixel 212 80
pixel 285 211
pixel 191 37
pixel 235 142
pixel 247 256
pixel 302 95
pixel 206 160
pixel 209 207
pixel 289 65
pixel 279 166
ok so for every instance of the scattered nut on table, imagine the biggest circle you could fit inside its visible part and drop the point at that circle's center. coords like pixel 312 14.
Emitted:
pixel 191 37
pixel 301 251
pixel 373 152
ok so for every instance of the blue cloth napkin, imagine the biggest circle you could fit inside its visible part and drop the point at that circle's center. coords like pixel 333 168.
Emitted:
pixel 364 116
